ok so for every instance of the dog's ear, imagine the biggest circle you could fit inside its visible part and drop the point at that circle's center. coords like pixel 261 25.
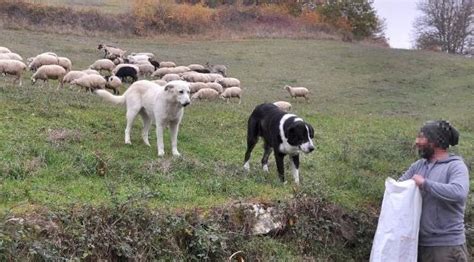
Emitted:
pixel 311 130
pixel 169 87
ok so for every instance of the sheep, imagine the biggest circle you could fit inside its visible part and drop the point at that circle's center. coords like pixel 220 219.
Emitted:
pixel 167 64
pixel 214 77
pixel 124 65
pixel 90 72
pixel 154 62
pixel 91 82
pixel 219 69
pixel 72 75
pixel 194 87
pixel 229 81
pixel 128 71
pixel 4 50
pixel 65 63
pixel 205 93
pixel 136 59
pixel 297 91
pixel 42 59
pixel 170 70
pixel 193 76
pixel 103 64
pixel 230 92
pixel 283 105
pixel 10 56
pixel 46 72
pixel 111 52
pixel 12 67
pixel 195 67
pixel 215 86
pixel 145 69
pixel 160 82
pixel 171 77
pixel 150 55
pixel 113 83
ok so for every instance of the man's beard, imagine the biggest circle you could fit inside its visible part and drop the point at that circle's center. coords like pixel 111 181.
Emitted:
pixel 426 152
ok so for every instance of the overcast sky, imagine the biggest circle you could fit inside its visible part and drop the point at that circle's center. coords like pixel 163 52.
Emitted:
pixel 399 15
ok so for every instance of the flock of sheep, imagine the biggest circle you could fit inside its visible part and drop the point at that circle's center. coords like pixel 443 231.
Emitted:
pixel 207 82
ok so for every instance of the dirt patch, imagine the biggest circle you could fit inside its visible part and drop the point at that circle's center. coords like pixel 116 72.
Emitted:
pixel 60 136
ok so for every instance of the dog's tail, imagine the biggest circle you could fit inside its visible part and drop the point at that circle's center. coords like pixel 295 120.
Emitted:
pixel 107 96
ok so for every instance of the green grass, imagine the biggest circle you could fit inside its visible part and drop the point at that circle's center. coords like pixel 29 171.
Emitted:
pixel 109 6
pixel 366 106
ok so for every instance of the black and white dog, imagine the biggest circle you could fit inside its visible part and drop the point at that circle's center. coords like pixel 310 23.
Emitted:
pixel 285 133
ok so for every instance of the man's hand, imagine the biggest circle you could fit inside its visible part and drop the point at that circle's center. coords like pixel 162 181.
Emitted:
pixel 419 180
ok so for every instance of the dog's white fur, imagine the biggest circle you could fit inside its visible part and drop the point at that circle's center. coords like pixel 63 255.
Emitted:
pixel 161 104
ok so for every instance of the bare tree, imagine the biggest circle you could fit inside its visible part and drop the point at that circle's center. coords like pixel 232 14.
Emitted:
pixel 446 24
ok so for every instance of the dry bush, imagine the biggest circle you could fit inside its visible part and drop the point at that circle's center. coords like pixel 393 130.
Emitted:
pixel 191 19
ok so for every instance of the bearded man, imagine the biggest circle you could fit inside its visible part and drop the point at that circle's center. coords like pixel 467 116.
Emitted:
pixel 443 179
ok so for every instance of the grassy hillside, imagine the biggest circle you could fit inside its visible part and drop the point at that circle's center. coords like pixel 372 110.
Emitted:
pixel 112 6
pixel 65 147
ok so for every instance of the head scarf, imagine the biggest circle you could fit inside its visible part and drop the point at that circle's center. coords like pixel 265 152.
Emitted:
pixel 441 133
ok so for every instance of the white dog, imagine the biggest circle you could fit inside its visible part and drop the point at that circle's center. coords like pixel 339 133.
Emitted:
pixel 161 104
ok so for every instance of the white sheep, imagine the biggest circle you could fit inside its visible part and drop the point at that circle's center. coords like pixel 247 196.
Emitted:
pixel 205 93
pixel 215 86
pixel 113 83
pixel 164 64
pixel 111 52
pixel 103 64
pixel 12 67
pixel 47 72
pixel 150 55
pixel 230 92
pixel 65 63
pixel 10 56
pixel 160 82
pixel 229 81
pixel 90 72
pixel 171 77
pixel 43 59
pixel 283 105
pixel 4 50
pixel 194 67
pixel 72 75
pixel 192 76
pixel 214 77
pixel 194 87
pixel 297 91
pixel 90 82
pixel 136 59
pixel 145 69
pixel 170 70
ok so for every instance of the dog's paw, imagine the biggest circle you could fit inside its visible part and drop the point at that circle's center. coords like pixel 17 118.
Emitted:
pixel 161 153
pixel 176 154
pixel 265 168
pixel 128 142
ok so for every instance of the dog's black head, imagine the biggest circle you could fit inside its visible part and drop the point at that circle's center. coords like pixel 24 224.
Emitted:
pixel 300 134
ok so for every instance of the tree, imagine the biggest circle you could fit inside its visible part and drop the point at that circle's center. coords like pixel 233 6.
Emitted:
pixel 446 24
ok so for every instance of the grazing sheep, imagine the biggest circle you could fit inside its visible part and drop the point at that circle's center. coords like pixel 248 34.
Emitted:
pixel 72 75
pixel 154 62
pixel 229 81
pixel 111 52
pixel 150 55
pixel 297 91
pixel 65 63
pixel 205 93
pixel 213 77
pixel 12 67
pixel 47 72
pixel 193 76
pixel 170 70
pixel 90 72
pixel 215 86
pixel 145 69
pixel 230 92
pixel 127 72
pixel 103 64
pixel 91 82
pixel 219 69
pixel 283 105
pixel 136 59
pixel 4 50
pixel 171 77
pixel 194 87
pixel 114 83
pixel 10 56
pixel 124 65
pixel 167 64
pixel 160 82
pixel 43 59
pixel 195 67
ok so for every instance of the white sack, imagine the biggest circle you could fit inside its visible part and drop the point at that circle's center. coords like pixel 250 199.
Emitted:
pixel 396 238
